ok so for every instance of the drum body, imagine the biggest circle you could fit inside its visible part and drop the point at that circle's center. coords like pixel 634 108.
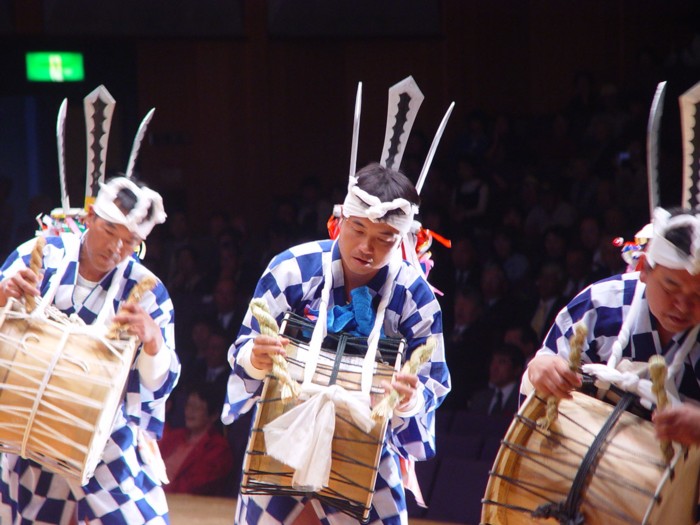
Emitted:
pixel 621 478
pixel 355 453
pixel 60 388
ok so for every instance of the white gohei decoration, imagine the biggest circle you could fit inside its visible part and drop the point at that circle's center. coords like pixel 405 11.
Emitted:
pixel 433 148
pixel 663 252
pixel 356 130
pixel 405 99
pixel 690 126
pixel 653 125
pixel 137 143
pixel 147 212
pixel 60 142
pixel 99 108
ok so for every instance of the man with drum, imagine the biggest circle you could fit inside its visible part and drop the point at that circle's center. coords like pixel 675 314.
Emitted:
pixel 377 213
pixel 94 271
pixel 637 315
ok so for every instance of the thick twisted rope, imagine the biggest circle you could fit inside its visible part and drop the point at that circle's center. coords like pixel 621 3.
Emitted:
pixel 135 295
pixel 35 266
pixel 420 355
pixel 576 343
pixel 657 372
pixel 268 326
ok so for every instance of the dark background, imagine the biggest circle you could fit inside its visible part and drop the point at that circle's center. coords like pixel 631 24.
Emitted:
pixel 252 96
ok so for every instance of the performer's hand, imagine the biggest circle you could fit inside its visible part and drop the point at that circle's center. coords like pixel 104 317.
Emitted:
pixel 264 347
pixel 680 424
pixel 24 282
pixel 406 386
pixel 142 325
pixel 551 376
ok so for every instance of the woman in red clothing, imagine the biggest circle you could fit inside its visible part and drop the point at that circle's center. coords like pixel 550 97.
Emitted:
pixel 198 458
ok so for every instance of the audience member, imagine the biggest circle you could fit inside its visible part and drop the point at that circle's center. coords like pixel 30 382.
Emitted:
pixel 524 337
pixel 467 346
pixel 550 298
pixel 579 270
pixel 197 457
pixel 225 307
pixel 501 397
pixel 212 367
pixel 470 198
pixel 500 306
pixel 515 264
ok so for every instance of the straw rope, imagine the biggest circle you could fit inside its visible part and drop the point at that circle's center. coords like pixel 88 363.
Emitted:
pixel 268 326
pixel 576 343
pixel 657 372
pixel 135 295
pixel 419 356
pixel 35 266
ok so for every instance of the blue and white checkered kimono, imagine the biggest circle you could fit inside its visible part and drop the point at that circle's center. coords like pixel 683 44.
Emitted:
pixel 124 490
pixel 293 281
pixel 604 306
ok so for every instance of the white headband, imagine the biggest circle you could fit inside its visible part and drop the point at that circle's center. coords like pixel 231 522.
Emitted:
pixel 146 213
pixel 665 253
pixel 359 203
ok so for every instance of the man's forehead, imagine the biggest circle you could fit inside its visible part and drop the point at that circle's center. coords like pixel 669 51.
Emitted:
pixel 681 276
pixel 379 227
pixel 120 228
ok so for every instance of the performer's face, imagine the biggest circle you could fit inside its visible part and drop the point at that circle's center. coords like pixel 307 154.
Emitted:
pixel 365 248
pixel 673 297
pixel 106 244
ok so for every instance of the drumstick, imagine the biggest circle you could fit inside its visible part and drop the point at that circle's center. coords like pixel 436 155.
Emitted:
pixel 268 326
pixel 35 266
pixel 419 356
pixel 657 372
pixel 576 343
pixel 135 295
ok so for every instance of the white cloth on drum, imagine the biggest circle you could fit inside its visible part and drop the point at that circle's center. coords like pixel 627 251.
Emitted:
pixel 310 427
pixel 627 381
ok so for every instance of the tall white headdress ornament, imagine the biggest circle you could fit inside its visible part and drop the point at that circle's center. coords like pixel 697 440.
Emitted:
pixel 659 249
pixel 99 109
pixel 690 133
pixel 405 99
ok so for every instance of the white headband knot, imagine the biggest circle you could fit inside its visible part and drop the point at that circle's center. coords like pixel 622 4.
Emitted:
pixel 146 213
pixel 662 251
pixel 359 203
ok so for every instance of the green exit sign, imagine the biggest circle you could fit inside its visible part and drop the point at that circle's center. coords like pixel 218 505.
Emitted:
pixel 54 66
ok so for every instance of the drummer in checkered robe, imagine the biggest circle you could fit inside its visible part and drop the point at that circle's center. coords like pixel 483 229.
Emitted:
pixel 652 311
pixel 97 270
pixel 365 260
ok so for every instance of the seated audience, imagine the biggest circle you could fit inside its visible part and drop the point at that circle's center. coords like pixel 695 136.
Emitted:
pixel 197 458
pixel 501 398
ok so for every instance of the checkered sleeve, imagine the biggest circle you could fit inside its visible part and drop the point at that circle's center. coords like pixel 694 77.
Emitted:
pixel 602 307
pixel 288 280
pixel 143 405
pixel 17 260
pixel 420 318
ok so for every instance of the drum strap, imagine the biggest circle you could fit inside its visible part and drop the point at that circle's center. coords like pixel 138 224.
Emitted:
pixel 339 353
pixel 568 512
